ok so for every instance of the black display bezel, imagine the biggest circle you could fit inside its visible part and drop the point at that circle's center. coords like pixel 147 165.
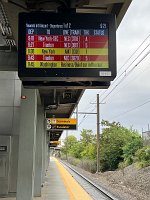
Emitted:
pixel 86 21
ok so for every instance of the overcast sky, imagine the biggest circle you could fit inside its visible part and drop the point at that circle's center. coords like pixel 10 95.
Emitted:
pixel 134 90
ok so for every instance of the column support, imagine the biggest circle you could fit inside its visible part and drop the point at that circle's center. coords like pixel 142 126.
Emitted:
pixel 27 147
pixel 39 151
pixel 43 159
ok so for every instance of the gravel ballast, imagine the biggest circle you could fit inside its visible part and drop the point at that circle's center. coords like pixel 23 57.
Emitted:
pixel 128 184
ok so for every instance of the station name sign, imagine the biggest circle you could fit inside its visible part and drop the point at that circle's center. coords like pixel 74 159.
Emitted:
pixel 61 124
pixel 56 47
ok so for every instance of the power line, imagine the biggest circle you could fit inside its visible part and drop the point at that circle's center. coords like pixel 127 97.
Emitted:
pixel 134 52
pixel 134 108
pixel 84 117
pixel 82 120
pixel 124 72
pixel 127 74
pixel 131 63
pixel 119 83
pixel 133 79
pixel 87 107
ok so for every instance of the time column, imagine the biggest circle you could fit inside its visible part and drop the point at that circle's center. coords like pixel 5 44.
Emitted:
pixel 31 41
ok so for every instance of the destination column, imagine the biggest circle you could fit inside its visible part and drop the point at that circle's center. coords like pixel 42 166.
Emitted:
pixel 48 48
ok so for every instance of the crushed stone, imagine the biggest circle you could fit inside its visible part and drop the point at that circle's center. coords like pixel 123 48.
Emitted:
pixel 128 184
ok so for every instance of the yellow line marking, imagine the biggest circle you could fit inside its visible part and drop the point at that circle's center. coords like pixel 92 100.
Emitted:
pixel 75 191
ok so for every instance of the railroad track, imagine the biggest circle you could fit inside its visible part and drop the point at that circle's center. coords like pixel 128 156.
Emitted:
pixel 94 190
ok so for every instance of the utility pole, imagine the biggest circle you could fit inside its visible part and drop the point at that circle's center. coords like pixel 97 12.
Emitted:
pixel 98 135
pixel 98 130
pixel 67 145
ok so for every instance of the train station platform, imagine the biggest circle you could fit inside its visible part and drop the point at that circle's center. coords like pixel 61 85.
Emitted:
pixel 59 185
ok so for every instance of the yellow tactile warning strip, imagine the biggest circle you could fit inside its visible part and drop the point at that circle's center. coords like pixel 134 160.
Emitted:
pixel 75 191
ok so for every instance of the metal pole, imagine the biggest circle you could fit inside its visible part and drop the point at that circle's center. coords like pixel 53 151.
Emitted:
pixel 98 135
pixel 67 145
pixel 77 116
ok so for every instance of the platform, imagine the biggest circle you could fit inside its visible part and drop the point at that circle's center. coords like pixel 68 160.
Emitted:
pixel 59 185
pixel 54 187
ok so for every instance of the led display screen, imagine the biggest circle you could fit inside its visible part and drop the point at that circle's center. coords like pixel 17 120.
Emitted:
pixel 56 47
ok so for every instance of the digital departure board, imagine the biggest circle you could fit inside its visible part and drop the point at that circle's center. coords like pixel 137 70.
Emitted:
pixel 62 47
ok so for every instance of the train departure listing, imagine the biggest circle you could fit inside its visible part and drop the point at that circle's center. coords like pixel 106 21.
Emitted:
pixel 62 46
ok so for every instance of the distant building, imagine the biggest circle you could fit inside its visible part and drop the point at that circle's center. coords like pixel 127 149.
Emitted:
pixel 146 135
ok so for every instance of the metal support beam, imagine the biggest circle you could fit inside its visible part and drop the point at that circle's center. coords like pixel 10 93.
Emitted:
pixel 98 135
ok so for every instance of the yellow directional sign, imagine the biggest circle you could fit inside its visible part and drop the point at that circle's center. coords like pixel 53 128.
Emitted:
pixel 67 121
pixel 61 123
pixel 55 142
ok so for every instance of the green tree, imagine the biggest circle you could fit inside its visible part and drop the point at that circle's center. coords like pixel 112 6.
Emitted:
pixel 87 137
pixel 89 152
pixel 114 137
pixel 76 150
pixel 130 149
pixel 88 141
pixel 142 157
pixel 69 142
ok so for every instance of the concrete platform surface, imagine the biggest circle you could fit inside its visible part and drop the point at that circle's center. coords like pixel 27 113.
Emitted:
pixel 59 185
pixel 54 188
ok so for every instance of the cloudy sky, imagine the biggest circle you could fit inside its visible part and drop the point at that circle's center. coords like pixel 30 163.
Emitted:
pixel 129 102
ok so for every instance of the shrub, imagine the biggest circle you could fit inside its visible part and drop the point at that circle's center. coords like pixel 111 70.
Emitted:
pixel 130 149
pixel 73 161
pixel 142 157
pixel 88 165
pixel 113 139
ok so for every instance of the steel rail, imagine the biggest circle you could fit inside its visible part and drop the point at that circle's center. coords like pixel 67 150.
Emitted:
pixel 97 187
